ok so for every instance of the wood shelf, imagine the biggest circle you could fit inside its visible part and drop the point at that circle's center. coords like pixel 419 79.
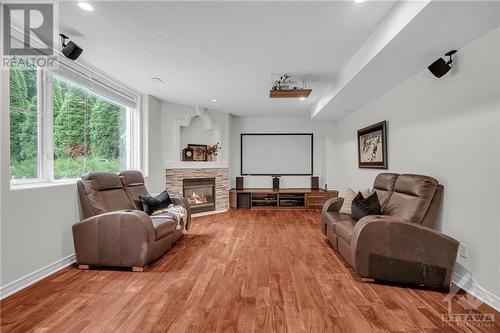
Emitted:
pixel 280 199
pixel 294 93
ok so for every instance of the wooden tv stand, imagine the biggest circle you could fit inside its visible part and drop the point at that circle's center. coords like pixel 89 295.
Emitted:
pixel 286 198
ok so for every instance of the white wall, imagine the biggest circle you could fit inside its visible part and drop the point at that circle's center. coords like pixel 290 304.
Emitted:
pixel 196 133
pixel 447 128
pixel 155 181
pixel 320 129
pixel 171 113
pixel 36 222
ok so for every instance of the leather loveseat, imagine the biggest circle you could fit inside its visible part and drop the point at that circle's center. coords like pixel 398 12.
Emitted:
pixel 401 244
pixel 115 231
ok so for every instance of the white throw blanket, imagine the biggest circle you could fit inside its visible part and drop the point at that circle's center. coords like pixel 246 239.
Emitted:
pixel 178 213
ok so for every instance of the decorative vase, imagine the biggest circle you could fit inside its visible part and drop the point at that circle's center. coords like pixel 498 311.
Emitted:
pixel 210 157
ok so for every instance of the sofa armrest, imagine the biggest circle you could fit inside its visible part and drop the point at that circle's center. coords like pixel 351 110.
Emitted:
pixel 332 205
pixel 401 250
pixel 181 201
pixel 122 238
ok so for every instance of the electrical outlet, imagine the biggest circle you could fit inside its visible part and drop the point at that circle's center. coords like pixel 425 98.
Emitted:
pixel 462 250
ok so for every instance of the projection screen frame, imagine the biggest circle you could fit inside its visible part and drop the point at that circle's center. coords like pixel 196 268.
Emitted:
pixel 276 174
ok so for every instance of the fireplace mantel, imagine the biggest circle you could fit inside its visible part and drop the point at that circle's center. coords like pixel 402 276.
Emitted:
pixel 196 165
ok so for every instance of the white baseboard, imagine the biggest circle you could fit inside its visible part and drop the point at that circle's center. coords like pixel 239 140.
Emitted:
pixel 472 287
pixel 36 276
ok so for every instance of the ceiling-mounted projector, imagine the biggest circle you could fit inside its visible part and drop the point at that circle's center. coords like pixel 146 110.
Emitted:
pixel 440 67
pixel 70 49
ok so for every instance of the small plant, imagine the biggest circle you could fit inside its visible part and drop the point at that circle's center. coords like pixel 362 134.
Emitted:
pixel 213 150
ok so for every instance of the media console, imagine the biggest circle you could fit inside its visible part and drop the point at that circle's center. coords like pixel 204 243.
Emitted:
pixel 287 198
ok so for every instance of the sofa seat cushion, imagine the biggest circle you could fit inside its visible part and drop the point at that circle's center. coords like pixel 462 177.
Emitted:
pixel 343 229
pixel 163 226
pixel 334 217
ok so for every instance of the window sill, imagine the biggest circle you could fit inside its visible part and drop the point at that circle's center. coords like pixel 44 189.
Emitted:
pixel 41 184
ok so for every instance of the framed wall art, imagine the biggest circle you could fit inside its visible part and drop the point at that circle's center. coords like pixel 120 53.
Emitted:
pixel 372 146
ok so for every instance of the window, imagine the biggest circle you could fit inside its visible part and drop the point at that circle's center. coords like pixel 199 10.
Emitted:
pixel 62 126
pixel 89 131
pixel 23 123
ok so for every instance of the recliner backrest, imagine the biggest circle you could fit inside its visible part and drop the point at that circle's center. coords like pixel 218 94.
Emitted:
pixel 384 186
pixel 102 192
pixel 133 183
pixel 411 198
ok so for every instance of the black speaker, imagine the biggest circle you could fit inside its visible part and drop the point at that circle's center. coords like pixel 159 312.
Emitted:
pixel 72 51
pixel 440 67
pixel 276 183
pixel 244 200
pixel 314 182
pixel 239 183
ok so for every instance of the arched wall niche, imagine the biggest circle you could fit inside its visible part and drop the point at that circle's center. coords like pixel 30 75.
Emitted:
pixel 196 128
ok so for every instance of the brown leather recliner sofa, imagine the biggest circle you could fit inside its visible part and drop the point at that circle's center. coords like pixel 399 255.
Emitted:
pixel 115 231
pixel 401 245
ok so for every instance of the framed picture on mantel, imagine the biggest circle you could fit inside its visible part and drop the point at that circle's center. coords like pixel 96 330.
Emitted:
pixel 372 146
pixel 199 152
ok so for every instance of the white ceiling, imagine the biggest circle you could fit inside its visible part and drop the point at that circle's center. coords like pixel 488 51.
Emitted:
pixel 434 28
pixel 223 50
pixel 227 50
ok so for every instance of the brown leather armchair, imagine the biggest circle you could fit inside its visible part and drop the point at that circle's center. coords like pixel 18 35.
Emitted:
pixel 401 245
pixel 115 231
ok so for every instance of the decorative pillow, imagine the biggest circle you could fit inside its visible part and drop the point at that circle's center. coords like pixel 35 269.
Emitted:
pixel 151 204
pixel 349 195
pixel 362 206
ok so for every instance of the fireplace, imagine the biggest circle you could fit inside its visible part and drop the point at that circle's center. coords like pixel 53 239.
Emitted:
pixel 200 193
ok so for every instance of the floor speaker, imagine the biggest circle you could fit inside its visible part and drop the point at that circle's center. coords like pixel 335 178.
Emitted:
pixel 239 183
pixel 276 183
pixel 314 183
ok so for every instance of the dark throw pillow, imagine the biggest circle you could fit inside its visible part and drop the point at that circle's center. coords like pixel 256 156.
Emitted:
pixel 362 206
pixel 152 204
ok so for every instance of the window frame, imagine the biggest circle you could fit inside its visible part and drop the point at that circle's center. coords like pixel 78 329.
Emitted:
pixel 45 132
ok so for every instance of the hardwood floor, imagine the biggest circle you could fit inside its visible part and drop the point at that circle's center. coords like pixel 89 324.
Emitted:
pixel 245 271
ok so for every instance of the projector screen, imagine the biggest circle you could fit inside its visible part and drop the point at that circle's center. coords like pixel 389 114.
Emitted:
pixel 277 154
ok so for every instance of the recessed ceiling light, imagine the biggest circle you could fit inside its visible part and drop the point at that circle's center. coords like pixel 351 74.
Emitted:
pixel 359 1
pixel 85 6
pixel 214 100
pixel 302 99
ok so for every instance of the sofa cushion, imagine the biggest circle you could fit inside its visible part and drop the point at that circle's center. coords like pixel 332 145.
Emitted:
pixel 163 225
pixel 344 229
pixel 152 204
pixel 334 217
pixel 383 186
pixel 133 182
pixel 105 192
pixel 411 197
pixel 362 207
pixel 131 178
pixel 349 196
pixel 101 181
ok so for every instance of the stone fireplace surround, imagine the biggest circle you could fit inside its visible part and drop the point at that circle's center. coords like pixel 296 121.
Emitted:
pixel 175 176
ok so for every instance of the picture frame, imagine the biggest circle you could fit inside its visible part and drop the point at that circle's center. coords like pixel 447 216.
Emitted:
pixel 372 146
pixel 199 152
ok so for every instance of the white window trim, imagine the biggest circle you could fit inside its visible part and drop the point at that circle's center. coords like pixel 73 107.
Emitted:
pixel 45 142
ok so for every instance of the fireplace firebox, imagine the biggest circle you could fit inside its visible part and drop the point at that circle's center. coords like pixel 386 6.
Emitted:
pixel 200 194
